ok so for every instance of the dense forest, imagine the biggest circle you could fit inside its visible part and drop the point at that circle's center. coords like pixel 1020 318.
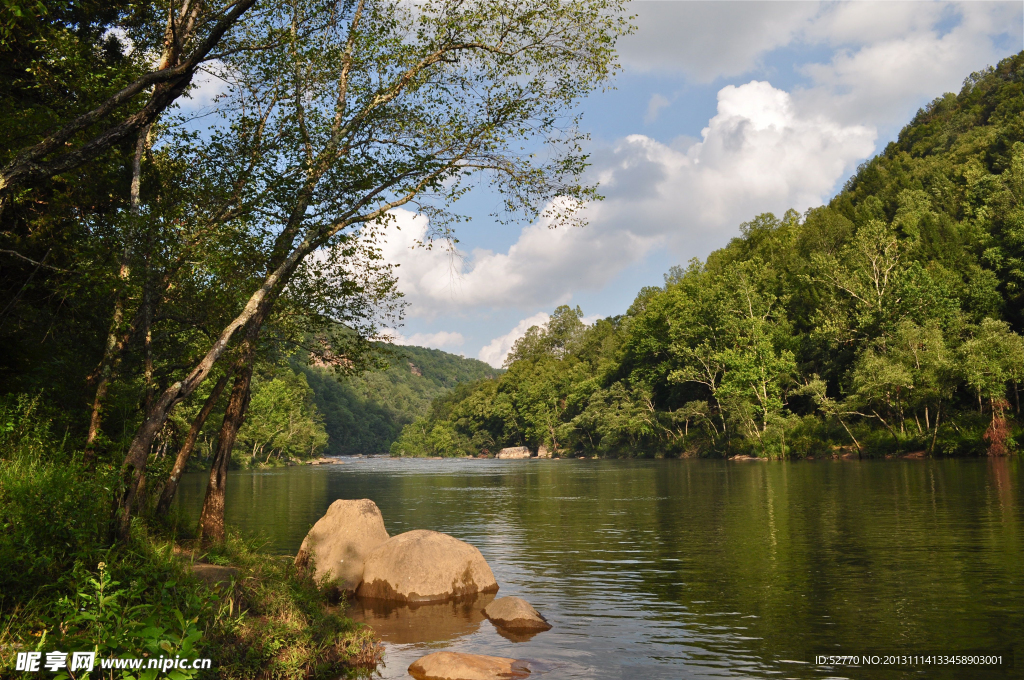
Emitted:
pixel 886 322
pixel 365 413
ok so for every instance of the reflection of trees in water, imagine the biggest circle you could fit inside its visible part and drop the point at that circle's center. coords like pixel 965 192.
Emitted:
pixel 747 561
pixel 836 555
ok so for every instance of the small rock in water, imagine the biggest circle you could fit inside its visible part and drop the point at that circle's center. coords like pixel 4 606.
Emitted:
pixel 514 452
pixel 515 614
pixel 455 666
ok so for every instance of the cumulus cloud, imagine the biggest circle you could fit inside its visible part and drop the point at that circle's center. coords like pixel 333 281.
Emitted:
pixel 530 274
pixel 757 154
pixel 439 340
pixel 884 56
pixel 890 56
pixel 496 350
pixel 710 40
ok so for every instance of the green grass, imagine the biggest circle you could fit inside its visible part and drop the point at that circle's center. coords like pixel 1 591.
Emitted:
pixel 64 586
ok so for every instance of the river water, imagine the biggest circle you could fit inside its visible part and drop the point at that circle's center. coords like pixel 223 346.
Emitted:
pixel 692 568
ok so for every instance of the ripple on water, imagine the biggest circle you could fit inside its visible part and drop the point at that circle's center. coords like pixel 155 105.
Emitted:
pixel 687 569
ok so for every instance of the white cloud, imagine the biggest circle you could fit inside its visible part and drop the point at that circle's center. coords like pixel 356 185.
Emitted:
pixel 884 56
pixel 439 340
pixel 757 154
pixel 207 87
pixel 654 107
pixel 530 274
pixel 710 40
pixel 764 150
pixel 496 350
pixel 890 56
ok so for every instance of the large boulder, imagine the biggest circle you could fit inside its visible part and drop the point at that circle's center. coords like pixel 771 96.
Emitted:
pixel 455 666
pixel 515 614
pixel 514 452
pixel 340 541
pixel 543 452
pixel 425 566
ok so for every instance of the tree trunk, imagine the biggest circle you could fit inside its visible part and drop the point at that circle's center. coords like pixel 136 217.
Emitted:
pixel 891 431
pixel 113 348
pixel 935 436
pixel 135 461
pixel 211 521
pixel 165 85
pixel 855 442
pixel 171 486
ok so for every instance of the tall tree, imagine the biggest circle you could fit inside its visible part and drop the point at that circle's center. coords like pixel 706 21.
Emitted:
pixel 101 112
pixel 381 104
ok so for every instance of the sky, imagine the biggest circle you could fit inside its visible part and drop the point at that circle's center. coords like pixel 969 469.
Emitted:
pixel 722 110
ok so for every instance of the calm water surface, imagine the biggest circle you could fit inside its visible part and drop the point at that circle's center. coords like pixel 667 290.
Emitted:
pixel 691 568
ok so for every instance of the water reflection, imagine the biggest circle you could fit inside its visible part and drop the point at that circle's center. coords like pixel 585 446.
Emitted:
pixel 411 623
pixel 669 569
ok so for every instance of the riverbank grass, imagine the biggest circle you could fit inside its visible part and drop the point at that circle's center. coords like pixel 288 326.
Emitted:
pixel 64 587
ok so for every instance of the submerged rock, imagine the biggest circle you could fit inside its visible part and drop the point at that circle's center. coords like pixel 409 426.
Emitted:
pixel 455 666
pixel 425 566
pixel 514 452
pixel 515 614
pixel 341 540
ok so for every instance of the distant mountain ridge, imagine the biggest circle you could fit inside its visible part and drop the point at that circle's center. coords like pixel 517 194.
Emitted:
pixel 366 413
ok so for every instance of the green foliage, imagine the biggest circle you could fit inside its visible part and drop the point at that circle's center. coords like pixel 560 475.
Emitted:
pixel 277 624
pixel 282 421
pixel 888 320
pixel 51 512
pixel 126 622
pixel 64 587
pixel 366 412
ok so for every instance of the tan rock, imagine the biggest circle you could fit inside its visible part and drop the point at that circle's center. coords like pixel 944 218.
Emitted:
pixel 340 541
pixel 515 614
pixel 425 566
pixel 543 452
pixel 455 666
pixel 214 575
pixel 514 452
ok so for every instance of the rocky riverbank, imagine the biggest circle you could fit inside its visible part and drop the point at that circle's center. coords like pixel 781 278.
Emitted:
pixel 350 550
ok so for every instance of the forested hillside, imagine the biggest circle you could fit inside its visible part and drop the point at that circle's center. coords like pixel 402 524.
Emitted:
pixel 366 413
pixel 887 321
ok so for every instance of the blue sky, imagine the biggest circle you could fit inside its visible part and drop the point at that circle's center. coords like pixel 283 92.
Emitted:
pixel 723 110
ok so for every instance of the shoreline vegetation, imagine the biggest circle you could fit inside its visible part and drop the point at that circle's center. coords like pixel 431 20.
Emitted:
pixel 887 322
pixel 66 587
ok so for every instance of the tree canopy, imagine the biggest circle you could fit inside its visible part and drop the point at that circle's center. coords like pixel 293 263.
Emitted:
pixel 887 321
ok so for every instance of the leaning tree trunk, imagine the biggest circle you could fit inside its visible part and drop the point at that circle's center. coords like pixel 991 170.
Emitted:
pixel 211 520
pixel 112 349
pixel 252 316
pixel 137 458
pixel 171 485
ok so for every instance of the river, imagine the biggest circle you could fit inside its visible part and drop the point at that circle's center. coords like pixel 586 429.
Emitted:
pixel 691 568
